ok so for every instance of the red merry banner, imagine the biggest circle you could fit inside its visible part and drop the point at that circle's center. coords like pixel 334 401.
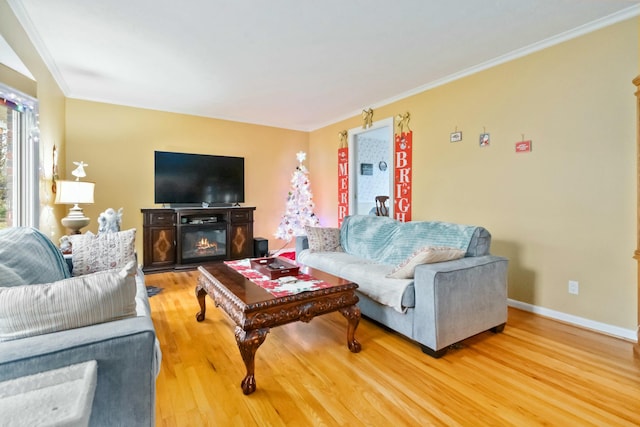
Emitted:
pixel 343 184
pixel 402 176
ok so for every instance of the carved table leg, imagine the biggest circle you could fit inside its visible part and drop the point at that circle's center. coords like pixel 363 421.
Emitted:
pixel 248 343
pixel 352 314
pixel 201 294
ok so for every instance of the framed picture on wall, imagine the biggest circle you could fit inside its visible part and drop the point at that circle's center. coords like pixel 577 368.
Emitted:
pixel 455 137
pixel 366 168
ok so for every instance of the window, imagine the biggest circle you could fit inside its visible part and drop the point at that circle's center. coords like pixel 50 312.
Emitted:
pixel 18 159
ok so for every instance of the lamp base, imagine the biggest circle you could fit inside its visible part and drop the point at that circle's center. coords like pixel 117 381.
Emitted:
pixel 75 220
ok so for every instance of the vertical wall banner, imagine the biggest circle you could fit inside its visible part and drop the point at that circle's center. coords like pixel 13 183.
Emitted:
pixel 343 183
pixel 402 179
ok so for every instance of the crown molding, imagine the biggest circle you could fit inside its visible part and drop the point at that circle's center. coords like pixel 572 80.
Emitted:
pixel 38 43
pixel 590 27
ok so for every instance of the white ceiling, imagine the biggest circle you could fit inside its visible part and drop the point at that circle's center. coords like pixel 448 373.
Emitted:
pixel 296 64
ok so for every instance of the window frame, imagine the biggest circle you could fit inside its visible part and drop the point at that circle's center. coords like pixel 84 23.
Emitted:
pixel 26 158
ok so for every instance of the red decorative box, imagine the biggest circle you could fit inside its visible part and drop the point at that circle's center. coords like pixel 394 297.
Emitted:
pixel 274 268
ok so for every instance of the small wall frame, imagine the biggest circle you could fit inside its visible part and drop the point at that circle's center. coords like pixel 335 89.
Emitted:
pixel 366 168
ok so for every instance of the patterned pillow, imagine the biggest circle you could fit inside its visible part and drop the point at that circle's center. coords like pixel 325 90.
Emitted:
pixel 425 255
pixel 66 304
pixel 323 239
pixel 105 251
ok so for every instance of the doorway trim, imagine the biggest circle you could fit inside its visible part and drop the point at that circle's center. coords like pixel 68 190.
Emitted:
pixel 353 170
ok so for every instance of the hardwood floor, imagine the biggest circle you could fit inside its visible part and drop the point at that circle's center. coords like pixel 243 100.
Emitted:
pixel 537 372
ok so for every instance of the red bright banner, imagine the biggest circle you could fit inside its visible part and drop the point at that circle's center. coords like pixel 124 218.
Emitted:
pixel 402 177
pixel 343 184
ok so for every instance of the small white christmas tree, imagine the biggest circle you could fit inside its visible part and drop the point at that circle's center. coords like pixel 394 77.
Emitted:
pixel 300 204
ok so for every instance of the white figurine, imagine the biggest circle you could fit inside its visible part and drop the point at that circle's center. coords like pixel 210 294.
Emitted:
pixel 65 244
pixel 109 221
pixel 79 171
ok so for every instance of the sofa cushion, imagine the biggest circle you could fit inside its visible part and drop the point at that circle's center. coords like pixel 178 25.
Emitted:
pixel 27 256
pixel 331 262
pixel 480 243
pixel 372 281
pixel 93 253
pixel 369 275
pixel 425 255
pixel 388 241
pixel 323 239
pixel 367 236
pixel 66 304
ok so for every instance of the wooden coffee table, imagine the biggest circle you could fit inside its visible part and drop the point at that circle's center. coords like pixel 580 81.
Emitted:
pixel 255 310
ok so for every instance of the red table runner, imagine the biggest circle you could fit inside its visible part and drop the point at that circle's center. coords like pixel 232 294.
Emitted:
pixel 282 287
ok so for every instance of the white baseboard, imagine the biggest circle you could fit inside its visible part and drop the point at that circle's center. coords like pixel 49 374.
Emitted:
pixel 616 331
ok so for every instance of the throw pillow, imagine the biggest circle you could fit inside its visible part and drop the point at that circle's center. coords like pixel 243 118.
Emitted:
pixel 425 255
pixel 323 239
pixel 93 253
pixel 75 302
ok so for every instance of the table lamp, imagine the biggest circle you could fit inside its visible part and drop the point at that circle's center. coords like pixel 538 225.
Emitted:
pixel 74 193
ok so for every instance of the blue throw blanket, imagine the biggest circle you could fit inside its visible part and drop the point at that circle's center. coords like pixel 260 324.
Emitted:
pixel 388 241
pixel 28 257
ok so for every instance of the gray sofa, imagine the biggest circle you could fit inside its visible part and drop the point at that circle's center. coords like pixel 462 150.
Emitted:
pixel 126 350
pixel 444 303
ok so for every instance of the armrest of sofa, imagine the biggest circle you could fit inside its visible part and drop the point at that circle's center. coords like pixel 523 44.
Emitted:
pixel 458 299
pixel 125 351
pixel 302 243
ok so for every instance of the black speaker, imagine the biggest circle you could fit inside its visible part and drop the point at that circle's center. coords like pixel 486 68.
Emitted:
pixel 260 247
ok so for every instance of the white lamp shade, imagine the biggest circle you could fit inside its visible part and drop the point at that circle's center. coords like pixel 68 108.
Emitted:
pixel 73 192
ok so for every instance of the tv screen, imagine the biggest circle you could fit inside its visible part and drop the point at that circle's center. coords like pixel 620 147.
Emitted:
pixel 191 179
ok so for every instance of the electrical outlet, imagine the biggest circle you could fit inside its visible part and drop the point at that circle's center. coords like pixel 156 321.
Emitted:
pixel 574 287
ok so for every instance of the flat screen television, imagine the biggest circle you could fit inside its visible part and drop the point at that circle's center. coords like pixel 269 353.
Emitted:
pixel 183 179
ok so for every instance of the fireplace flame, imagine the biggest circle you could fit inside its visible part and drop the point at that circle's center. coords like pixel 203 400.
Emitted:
pixel 204 244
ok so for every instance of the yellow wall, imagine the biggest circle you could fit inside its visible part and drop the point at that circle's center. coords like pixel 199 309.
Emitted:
pixel 51 108
pixel 18 81
pixel 118 143
pixel 566 211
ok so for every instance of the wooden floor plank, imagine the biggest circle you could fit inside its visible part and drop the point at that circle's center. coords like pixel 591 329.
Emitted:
pixel 537 372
